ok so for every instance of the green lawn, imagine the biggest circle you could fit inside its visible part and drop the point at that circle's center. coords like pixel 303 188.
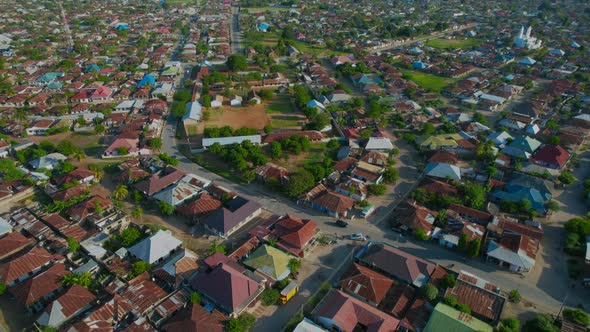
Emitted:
pixel 428 81
pixel 285 121
pixel 453 43
pixel 280 104
pixel 177 2
pixel 307 48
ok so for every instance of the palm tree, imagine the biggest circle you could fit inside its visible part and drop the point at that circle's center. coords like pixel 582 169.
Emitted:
pixel 79 155
pixel 98 174
pixel 20 114
pixel 121 192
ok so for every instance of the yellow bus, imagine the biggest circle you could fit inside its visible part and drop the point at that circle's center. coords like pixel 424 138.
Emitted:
pixel 289 291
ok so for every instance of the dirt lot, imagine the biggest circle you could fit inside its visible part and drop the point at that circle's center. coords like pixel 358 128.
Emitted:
pixel 238 117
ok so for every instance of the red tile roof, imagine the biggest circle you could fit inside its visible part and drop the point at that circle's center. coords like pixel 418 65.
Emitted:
pixel 56 221
pixel 67 194
pixel 35 258
pixel 366 283
pixel 293 233
pixel 143 293
pixel 12 243
pixel 195 318
pixel 334 201
pixel 201 206
pixel 75 175
pixel 156 183
pixel 82 210
pixel 552 155
pixel 34 289
pixel 73 300
pixel 480 216
pixel 484 304
pixel 349 312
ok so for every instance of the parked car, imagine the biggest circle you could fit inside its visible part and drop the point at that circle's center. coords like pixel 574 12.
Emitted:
pixel 341 223
pixel 358 237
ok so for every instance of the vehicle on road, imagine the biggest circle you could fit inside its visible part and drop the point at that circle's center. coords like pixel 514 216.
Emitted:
pixel 341 223
pixel 288 292
pixel 357 237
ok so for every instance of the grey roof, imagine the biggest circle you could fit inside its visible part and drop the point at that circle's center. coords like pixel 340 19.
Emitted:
pixel 256 139
pixel 225 219
pixel 155 247
pixel 588 248
pixel 177 193
pixel 54 318
pixel 307 325
pixel 4 226
pixel 443 170
pixel 523 180
pixel 519 258
pixel 379 143
pixel 194 111
pixel 49 161
pixel 87 267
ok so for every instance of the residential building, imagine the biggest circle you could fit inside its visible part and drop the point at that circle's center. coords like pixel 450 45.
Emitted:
pixel 178 268
pixel 156 248
pixel 341 312
pixel 228 286
pixel 74 302
pixel 445 318
pixel 396 263
pixel 48 162
pixel 13 243
pixel 195 318
pixel 143 294
pixel 25 266
pixel 34 291
pixel 517 252
pixel 366 284
pixel 270 262
pixel 333 203
pixel 234 215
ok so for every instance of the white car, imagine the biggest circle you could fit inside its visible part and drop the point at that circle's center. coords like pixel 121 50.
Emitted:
pixel 357 237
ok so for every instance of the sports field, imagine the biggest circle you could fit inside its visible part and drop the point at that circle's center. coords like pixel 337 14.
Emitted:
pixel 428 81
pixel 453 43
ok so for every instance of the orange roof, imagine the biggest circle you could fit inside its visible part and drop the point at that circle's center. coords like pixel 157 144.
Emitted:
pixel 12 243
pixel 35 258
pixel 34 289
pixel 366 283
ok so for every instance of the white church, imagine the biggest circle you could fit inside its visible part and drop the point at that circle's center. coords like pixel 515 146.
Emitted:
pixel 526 40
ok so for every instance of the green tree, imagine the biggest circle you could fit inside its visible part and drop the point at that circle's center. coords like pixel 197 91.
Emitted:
pixel 391 175
pixel 514 296
pixel 428 128
pixel 294 265
pixel 448 281
pixel 333 144
pixel 429 292
pixel 137 213
pixel 541 323
pixel 80 279
pixel 566 178
pixel 555 140
pixel 276 150
pixel 241 324
pixel 216 247
pixel 451 300
pixel 463 243
pixel 509 325
pixel 420 234
pixel 129 236
pixel 474 195
pixel 138 268
pixel 377 189
pixel 237 62
pixel 166 208
pixel 155 143
pixel 120 192
pixel 196 298
pixel 269 296
pixel 479 118
pixel 3 288
pixel 463 308
pixel 73 245
pixel 249 176
pixel 577 316
pixel 122 151
pixel 299 182
pixel 473 248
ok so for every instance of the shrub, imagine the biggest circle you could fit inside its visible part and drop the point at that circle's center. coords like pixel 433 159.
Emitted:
pixel 464 308
pixel 448 281
pixel 451 301
pixel 514 296
pixel 420 234
pixel 509 325
pixel 429 292
pixel 269 296
pixel 577 316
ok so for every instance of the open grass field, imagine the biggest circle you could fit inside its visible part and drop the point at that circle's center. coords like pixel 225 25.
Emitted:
pixel 453 43
pixel 317 153
pixel 182 2
pixel 428 81
pixel 280 104
pixel 286 121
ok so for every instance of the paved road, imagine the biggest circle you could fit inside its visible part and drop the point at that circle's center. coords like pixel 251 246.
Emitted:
pixel 235 35
pixel 547 292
